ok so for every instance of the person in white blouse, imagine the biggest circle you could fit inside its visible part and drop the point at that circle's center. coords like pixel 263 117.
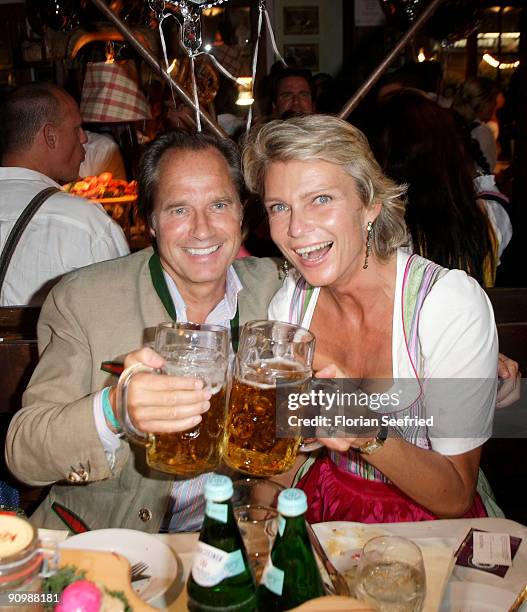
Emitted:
pixel 43 147
pixel 377 313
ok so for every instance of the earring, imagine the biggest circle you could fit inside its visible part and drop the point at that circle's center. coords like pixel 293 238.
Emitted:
pixel 284 270
pixel 369 230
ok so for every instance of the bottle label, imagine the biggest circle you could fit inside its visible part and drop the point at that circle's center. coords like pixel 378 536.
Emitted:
pixel 211 565
pixel 273 578
pixel 217 511
pixel 281 524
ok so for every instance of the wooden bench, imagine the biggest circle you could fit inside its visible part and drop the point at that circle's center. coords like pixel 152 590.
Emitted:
pixel 504 460
pixel 18 358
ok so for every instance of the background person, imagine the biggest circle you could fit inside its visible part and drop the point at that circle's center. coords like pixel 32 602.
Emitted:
pixel 293 92
pixel 476 102
pixel 417 144
pixel 42 146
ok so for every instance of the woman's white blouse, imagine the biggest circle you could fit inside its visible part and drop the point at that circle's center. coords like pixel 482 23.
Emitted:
pixel 458 340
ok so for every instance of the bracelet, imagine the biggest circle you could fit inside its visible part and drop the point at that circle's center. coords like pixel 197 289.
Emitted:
pixel 108 410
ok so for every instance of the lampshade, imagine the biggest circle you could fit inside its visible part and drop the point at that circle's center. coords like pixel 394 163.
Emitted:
pixel 245 91
pixel 110 95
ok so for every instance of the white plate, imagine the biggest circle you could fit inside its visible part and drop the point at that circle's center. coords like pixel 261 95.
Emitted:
pixel 475 597
pixel 343 541
pixel 165 568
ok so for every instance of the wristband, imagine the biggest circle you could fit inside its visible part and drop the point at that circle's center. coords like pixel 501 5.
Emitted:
pixel 108 410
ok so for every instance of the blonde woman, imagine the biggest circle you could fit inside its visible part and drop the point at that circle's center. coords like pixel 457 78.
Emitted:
pixel 377 314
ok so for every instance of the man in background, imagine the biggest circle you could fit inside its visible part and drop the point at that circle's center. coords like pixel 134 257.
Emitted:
pixel 293 93
pixel 42 146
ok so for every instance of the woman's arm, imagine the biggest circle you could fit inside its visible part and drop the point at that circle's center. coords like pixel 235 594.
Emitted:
pixel 459 347
pixel 445 485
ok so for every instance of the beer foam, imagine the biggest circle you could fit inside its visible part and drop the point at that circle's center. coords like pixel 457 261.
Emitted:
pixel 275 369
pixel 15 534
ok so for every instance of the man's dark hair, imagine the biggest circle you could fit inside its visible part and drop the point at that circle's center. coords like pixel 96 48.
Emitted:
pixel 148 179
pixel 24 111
pixel 303 73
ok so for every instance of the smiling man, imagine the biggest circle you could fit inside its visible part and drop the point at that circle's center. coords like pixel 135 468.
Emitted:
pixel 67 434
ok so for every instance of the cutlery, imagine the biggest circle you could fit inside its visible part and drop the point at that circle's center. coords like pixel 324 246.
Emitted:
pixel 337 579
pixel 138 571
pixel 522 597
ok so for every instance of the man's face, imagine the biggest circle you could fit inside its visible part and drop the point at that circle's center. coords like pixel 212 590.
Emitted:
pixel 70 139
pixel 197 218
pixel 293 94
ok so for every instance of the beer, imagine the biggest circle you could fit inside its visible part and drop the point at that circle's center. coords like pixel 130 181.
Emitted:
pixel 251 444
pixel 198 449
pixel 192 452
pixel 190 350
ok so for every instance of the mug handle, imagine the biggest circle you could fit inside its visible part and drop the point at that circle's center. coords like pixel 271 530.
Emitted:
pixel 140 437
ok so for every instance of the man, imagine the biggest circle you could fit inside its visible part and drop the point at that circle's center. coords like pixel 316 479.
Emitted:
pixel 102 154
pixel 190 188
pixel 293 93
pixel 43 147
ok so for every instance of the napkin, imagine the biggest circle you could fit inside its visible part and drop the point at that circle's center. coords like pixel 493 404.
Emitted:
pixel 438 557
pixel 52 535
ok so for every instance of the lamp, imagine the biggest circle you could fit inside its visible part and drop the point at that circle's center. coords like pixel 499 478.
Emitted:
pixel 110 94
pixel 245 91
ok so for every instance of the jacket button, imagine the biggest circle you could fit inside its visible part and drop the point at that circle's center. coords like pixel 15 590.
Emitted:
pixel 145 514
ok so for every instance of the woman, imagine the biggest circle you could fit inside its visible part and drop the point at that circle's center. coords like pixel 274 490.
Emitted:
pixel 476 101
pixel 417 143
pixel 377 313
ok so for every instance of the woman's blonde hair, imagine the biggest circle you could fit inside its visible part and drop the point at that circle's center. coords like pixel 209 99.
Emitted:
pixel 326 138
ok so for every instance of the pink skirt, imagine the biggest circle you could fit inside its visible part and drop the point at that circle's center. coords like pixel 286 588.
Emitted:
pixel 334 494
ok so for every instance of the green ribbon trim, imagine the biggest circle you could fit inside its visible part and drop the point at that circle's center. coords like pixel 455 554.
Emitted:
pixel 161 287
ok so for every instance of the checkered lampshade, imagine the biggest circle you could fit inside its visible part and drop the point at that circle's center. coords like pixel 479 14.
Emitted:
pixel 110 95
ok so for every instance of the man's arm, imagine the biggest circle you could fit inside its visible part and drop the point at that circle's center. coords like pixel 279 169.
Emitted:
pixel 54 435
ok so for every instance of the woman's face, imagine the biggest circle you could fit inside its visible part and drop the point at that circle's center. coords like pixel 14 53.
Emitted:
pixel 317 219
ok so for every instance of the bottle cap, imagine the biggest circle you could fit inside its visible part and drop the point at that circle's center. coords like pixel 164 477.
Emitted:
pixel 218 488
pixel 292 502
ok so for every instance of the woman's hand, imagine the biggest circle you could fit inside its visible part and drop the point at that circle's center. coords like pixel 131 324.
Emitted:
pixel 162 404
pixel 509 382
pixel 330 371
pixel 341 445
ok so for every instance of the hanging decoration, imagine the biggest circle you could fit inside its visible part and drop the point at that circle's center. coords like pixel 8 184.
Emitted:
pixel 190 11
pixel 262 12
pixel 451 21
pixel 191 40
pixel 54 14
pixel 454 20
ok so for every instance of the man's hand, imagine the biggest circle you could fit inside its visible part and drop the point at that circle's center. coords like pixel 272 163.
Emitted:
pixel 159 403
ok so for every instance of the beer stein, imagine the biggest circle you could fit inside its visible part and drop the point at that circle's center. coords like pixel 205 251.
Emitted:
pixel 189 349
pixel 274 359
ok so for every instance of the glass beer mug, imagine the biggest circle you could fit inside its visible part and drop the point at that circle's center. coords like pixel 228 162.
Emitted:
pixel 271 353
pixel 189 349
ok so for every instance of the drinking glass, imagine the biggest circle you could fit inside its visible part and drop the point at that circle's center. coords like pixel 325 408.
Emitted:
pixel 192 350
pixel 271 354
pixel 254 502
pixel 391 575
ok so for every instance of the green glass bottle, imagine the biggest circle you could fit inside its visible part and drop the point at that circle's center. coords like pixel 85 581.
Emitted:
pixel 291 575
pixel 220 578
